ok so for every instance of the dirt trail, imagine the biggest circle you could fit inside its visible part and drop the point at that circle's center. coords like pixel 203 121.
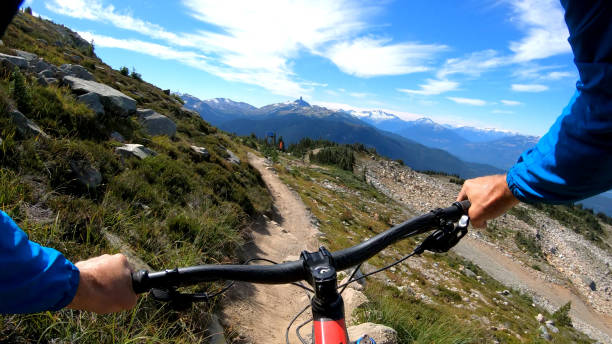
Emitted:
pixel 511 273
pixel 262 312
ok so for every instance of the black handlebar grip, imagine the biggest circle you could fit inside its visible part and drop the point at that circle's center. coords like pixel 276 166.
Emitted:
pixel 465 205
pixel 140 281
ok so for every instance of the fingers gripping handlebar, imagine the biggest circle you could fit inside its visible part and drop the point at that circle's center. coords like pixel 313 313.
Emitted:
pixel 143 281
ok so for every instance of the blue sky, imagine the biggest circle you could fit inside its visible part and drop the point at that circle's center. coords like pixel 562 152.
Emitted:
pixel 502 64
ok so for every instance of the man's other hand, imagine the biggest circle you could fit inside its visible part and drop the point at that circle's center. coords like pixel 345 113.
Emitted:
pixel 105 285
pixel 490 197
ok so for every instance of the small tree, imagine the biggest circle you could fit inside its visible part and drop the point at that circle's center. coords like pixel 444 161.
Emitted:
pixel 124 71
pixel 19 91
pixel 135 75
pixel 561 316
pixel 28 10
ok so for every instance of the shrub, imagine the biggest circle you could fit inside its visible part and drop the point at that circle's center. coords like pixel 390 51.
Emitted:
pixel 528 243
pixel 20 91
pixel 124 71
pixel 342 156
pixel 561 316
pixel 135 76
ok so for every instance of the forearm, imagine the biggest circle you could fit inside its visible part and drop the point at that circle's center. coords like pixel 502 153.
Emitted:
pixel 573 160
pixel 34 278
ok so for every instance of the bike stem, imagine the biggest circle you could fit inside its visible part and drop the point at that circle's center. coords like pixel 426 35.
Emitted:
pixel 327 304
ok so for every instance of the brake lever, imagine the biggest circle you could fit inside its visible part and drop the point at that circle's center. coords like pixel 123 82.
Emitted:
pixel 177 300
pixel 445 237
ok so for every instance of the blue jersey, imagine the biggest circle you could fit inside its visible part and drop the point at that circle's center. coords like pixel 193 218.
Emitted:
pixel 573 160
pixel 33 278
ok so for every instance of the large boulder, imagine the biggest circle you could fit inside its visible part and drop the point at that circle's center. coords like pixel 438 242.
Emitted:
pixel 86 175
pixel 231 157
pixel 117 137
pixel 25 126
pixel 382 334
pixel 155 123
pixel 26 55
pixel 14 60
pixel 200 152
pixel 112 100
pixel 77 71
pixel 92 100
pixel 40 65
pixel 352 300
pixel 47 73
pixel 134 150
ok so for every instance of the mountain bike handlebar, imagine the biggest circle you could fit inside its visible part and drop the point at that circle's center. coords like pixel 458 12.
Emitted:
pixel 143 281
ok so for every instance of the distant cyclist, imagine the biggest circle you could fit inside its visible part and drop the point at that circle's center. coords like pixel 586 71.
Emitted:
pixel 573 160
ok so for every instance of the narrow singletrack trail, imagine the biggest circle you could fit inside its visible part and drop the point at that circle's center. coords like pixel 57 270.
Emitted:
pixel 261 313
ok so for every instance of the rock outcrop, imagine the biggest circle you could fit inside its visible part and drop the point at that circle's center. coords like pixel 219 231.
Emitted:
pixel 86 175
pixel 14 60
pixel 93 101
pixel 155 123
pixel 25 126
pixel 352 300
pixel 231 157
pixel 201 152
pixel 381 333
pixel 112 100
pixel 134 150
pixel 76 71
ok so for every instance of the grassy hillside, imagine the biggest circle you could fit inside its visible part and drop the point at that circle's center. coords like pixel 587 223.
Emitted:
pixel 172 209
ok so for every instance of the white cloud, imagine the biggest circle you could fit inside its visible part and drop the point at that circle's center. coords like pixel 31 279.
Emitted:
pixel 468 101
pixel 502 112
pixel 511 102
pixel 558 75
pixel 368 57
pixel 473 64
pixel 545 27
pixel 433 87
pixel 359 94
pixel 256 42
pixel 96 11
pixel 529 88
pixel 152 49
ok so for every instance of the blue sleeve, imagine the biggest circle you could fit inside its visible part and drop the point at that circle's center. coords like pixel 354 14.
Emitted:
pixel 32 278
pixel 573 160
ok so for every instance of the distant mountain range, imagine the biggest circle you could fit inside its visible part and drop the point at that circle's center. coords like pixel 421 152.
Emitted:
pixel 486 146
pixel 297 119
pixel 422 144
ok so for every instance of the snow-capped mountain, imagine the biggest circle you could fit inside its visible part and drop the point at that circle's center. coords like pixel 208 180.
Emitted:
pixel 482 135
pixel 488 146
pixel 229 106
pixel 373 115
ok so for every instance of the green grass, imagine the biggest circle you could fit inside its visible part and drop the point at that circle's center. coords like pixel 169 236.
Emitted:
pixel 173 209
pixel 414 321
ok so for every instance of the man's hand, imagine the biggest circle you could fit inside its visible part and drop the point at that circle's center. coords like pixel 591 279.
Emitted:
pixel 105 285
pixel 490 197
